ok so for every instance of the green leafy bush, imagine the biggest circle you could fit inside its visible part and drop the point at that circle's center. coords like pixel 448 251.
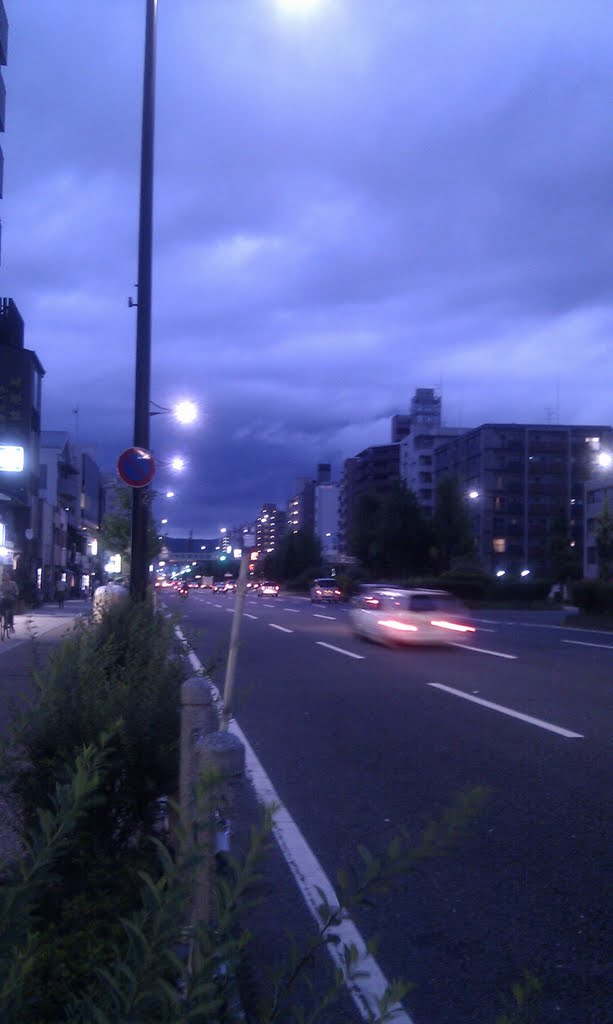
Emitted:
pixel 114 677
pixel 593 596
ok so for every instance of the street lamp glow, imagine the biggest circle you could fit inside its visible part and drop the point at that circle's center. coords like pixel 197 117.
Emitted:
pixel 177 463
pixel 500 572
pixel 473 495
pixel 170 494
pixel 525 572
pixel 186 412
pixel 298 7
pixel 605 460
pixel 164 521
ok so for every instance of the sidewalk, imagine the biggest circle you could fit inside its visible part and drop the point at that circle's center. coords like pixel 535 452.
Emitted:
pixel 39 621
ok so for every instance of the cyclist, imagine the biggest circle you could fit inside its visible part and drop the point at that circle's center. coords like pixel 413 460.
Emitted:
pixel 9 592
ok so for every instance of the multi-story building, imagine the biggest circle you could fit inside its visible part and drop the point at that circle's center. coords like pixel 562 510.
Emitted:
pixel 71 493
pixel 598 497
pixel 4 35
pixel 270 529
pixel 522 483
pixel 419 434
pixel 326 518
pixel 20 400
pixel 374 471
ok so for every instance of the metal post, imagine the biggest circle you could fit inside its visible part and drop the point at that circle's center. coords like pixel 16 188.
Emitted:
pixel 140 497
pixel 248 544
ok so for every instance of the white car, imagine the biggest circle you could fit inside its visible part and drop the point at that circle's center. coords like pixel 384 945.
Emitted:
pixel 390 615
pixel 268 590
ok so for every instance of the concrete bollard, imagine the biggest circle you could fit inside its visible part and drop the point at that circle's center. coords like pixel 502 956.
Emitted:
pixel 223 754
pixel 198 717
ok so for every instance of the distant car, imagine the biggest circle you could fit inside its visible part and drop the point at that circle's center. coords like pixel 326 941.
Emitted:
pixel 229 586
pixel 325 590
pixel 390 615
pixel 268 589
pixel 218 588
pixel 253 585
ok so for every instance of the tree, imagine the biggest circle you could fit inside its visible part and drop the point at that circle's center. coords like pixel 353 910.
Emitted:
pixel 116 528
pixel 452 523
pixel 296 553
pixel 603 535
pixel 563 555
pixel 403 536
pixel 363 530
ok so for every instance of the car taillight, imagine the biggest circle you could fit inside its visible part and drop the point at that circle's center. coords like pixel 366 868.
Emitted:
pixel 403 627
pixel 453 625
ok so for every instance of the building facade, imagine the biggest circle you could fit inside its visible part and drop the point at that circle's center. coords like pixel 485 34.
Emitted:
pixel 21 377
pixel 269 529
pixel 4 36
pixel 598 498
pixel 523 484
pixel 374 471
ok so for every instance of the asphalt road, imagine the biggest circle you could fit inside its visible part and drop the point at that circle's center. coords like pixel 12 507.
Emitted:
pixel 360 740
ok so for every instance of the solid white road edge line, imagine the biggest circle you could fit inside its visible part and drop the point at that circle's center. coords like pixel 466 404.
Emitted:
pixel 508 711
pixel 340 650
pixel 283 629
pixel 481 650
pixel 584 643
pixel 367 990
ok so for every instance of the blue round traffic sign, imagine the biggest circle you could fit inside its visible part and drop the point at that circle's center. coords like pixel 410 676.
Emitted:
pixel 136 467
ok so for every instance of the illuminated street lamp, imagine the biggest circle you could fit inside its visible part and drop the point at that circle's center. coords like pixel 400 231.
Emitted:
pixel 605 460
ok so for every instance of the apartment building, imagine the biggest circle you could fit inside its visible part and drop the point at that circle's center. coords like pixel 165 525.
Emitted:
pixel 373 471
pixel 598 497
pixel 522 481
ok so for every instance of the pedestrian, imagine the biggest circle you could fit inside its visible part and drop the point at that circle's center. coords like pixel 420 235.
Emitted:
pixel 9 592
pixel 60 591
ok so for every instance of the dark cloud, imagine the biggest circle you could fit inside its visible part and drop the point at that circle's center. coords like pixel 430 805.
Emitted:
pixel 347 206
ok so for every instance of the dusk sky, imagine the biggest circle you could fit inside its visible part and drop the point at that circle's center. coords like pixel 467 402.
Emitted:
pixel 350 203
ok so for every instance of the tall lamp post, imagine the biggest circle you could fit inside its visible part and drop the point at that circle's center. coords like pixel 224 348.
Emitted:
pixel 140 496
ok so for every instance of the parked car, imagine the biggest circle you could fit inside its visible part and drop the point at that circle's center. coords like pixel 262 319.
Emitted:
pixel 325 590
pixel 268 589
pixel 390 615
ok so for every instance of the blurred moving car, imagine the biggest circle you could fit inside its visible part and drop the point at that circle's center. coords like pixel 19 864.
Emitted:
pixel 230 586
pixel 268 589
pixel 325 590
pixel 390 615
pixel 218 587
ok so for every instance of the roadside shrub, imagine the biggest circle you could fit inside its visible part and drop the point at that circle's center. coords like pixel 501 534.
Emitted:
pixel 114 677
pixel 593 596
pixel 518 590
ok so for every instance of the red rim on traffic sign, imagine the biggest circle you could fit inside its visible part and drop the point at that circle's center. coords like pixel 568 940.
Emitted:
pixel 136 467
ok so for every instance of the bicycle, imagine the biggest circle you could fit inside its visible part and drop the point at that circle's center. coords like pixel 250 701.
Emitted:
pixel 7 624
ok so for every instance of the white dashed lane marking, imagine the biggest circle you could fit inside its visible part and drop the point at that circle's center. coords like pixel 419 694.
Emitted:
pixel 510 712
pixel 340 650
pixel 482 650
pixel 282 629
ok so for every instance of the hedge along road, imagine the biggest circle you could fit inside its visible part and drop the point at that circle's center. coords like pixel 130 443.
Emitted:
pixel 357 747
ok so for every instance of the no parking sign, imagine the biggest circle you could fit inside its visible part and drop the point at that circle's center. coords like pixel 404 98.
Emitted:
pixel 136 467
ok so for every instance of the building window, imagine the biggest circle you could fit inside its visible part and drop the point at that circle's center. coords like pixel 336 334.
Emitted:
pixel 499 545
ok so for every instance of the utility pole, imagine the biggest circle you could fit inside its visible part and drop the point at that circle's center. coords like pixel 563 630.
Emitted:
pixel 141 495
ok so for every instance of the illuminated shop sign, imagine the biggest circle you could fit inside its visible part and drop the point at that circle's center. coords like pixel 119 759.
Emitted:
pixel 11 458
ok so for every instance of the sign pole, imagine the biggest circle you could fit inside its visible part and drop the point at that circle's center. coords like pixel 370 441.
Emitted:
pixel 140 512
